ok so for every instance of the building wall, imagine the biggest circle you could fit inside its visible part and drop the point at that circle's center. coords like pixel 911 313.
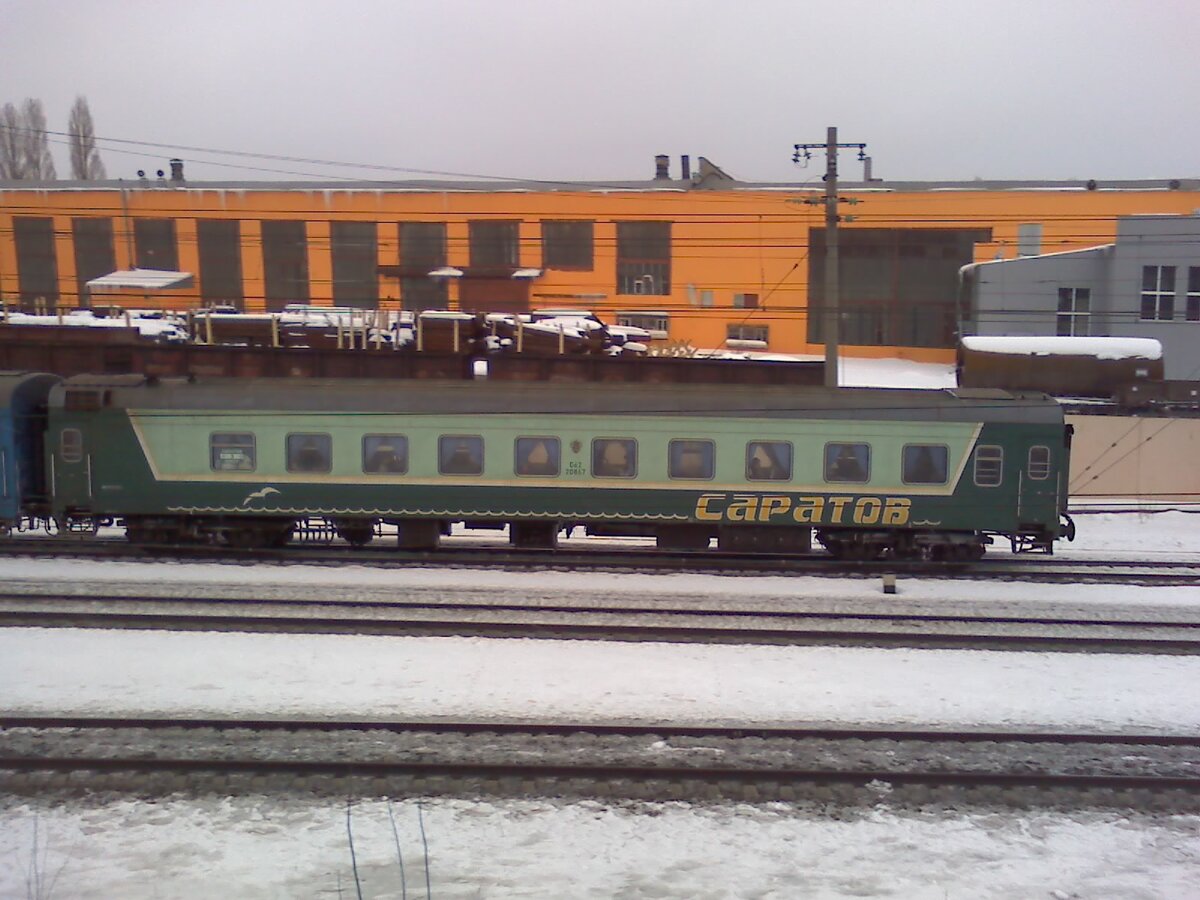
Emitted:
pixel 752 240
pixel 1122 456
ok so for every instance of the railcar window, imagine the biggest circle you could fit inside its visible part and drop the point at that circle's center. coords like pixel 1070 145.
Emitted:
pixel 925 464
pixel 460 454
pixel 614 458
pixel 989 465
pixel 1039 463
pixel 691 459
pixel 231 452
pixel 768 461
pixel 848 462
pixel 536 456
pixel 309 453
pixel 384 454
pixel 70 445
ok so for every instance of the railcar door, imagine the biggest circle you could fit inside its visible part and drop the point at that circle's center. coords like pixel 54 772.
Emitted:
pixel 71 470
pixel 1038 491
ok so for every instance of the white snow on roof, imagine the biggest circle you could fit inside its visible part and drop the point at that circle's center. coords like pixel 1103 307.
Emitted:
pixel 1099 347
pixel 446 272
pixel 141 279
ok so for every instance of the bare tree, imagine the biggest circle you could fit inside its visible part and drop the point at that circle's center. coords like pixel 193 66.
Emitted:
pixel 39 164
pixel 85 158
pixel 12 162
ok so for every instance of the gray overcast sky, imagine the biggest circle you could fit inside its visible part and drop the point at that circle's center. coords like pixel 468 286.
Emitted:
pixel 569 90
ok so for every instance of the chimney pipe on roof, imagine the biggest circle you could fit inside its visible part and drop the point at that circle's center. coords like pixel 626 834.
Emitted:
pixel 177 171
pixel 662 167
pixel 685 163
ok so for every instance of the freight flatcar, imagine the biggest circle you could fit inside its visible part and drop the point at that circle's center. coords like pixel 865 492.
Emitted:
pixel 870 471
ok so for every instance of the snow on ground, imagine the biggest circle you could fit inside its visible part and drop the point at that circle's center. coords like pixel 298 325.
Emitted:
pixel 296 847
pixel 255 847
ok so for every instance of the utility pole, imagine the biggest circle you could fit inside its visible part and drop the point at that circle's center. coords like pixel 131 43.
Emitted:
pixel 830 311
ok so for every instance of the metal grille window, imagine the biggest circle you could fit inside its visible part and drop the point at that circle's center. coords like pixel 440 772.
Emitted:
pixel 925 464
pixel 220 247
pixel 1039 463
pixel 37 261
pixel 384 454
pixel 567 244
pixel 460 454
pixel 768 461
pixel 614 458
pixel 94 252
pixel 309 453
pixel 745 301
pixel 1074 311
pixel 758 333
pixel 70 445
pixel 231 452
pixel 1193 294
pixel 657 323
pixel 537 456
pixel 354 247
pixel 644 258
pixel 1158 293
pixel 155 245
pixel 848 463
pixel 422 250
pixel 989 465
pixel 691 459
pixel 494 245
pixel 285 263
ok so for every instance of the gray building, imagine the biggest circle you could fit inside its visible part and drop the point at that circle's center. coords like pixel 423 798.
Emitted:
pixel 1146 284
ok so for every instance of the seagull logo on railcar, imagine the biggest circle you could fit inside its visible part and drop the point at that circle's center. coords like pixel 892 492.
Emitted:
pixel 261 494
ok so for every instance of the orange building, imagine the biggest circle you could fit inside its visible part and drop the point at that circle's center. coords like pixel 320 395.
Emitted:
pixel 705 260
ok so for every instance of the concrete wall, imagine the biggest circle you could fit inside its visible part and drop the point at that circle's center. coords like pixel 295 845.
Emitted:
pixel 1150 459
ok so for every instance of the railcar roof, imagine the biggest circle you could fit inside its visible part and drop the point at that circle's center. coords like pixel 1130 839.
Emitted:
pixel 506 397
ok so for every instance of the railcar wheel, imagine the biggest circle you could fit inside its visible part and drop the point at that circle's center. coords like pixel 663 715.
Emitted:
pixel 355 532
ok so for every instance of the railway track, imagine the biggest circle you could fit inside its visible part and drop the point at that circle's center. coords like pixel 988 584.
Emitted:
pixel 1040 569
pixel 663 621
pixel 743 763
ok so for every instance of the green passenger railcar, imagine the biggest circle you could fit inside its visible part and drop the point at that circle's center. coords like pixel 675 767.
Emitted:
pixel 869 471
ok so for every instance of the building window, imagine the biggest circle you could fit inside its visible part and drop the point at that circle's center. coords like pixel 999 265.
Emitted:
pixel 384 454
pixel 614 458
pixel 567 245
pixel 94 252
pixel 644 258
pixel 309 453
pixel 925 464
pixel 1193 294
pixel 742 333
pixel 460 454
pixel 220 246
pixel 657 323
pixel 848 463
pixel 285 263
pixel 1039 463
pixel 1029 239
pixel 538 456
pixel 155 245
pixel 354 248
pixel 1158 293
pixel 423 250
pixel 231 452
pixel 1074 311
pixel 768 461
pixel 745 301
pixel 691 459
pixel 37 260
pixel 495 245
pixel 989 466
